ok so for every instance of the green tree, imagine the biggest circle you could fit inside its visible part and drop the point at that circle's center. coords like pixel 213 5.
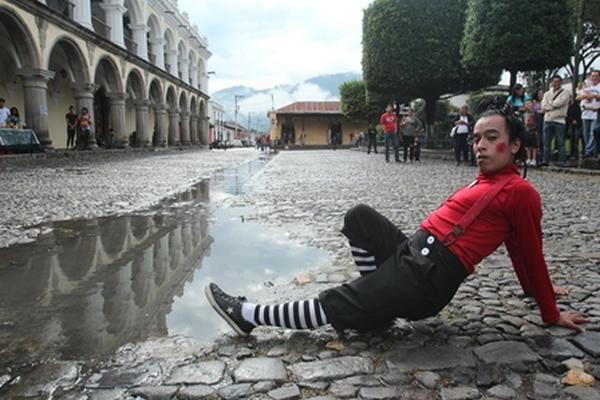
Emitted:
pixel 355 105
pixel 411 49
pixel 586 20
pixel 518 35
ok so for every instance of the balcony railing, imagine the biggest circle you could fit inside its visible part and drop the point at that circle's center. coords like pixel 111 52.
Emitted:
pixel 63 7
pixel 130 44
pixel 101 28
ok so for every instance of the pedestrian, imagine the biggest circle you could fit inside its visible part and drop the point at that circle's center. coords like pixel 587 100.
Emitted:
pixel 417 147
pixel 555 105
pixel 389 120
pixel 463 124
pixel 4 113
pixel 517 100
pixel 539 123
pixel 372 137
pixel 531 134
pixel 411 126
pixel 72 120
pixel 574 123
pixel 590 106
pixel 415 278
pixel 14 119
pixel 85 128
pixel 335 130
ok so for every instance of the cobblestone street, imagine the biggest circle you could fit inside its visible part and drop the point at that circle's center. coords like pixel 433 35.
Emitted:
pixel 489 343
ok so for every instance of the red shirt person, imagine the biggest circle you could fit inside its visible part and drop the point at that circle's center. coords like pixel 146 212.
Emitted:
pixel 389 120
pixel 416 278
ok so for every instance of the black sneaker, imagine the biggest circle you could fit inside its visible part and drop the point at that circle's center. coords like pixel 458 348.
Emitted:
pixel 229 308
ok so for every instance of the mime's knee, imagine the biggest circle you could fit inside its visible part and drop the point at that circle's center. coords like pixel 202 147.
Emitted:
pixel 356 214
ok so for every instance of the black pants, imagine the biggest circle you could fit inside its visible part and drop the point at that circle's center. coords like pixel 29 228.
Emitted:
pixel 461 147
pixel 372 142
pixel 409 147
pixel 415 278
pixel 70 138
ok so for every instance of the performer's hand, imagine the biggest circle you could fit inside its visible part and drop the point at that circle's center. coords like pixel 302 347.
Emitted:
pixel 560 290
pixel 571 320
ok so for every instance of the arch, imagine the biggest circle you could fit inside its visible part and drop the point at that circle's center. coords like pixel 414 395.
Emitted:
pixel 20 44
pixel 183 101
pixel 170 52
pixel 134 12
pixel 154 38
pixel 201 75
pixel 67 52
pixel 155 92
pixel 133 20
pixel 107 75
pixel 135 87
pixel 172 97
pixel 194 105
pixel 182 62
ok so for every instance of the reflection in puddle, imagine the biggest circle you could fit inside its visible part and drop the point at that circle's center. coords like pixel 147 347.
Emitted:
pixel 88 287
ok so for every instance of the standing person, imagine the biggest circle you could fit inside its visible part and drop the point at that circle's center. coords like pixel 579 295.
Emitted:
pixel 539 123
pixel 574 124
pixel 415 278
pixel 590 106
pixel 555 105
pixel 531 135
pixel 335 130
pixel 4 113
pixel 517 100
pixel 389 120
pixel 85 127
pixel 72 120
pixel 463 125
pixel 410 126
pixel 14 119
pixel 372 137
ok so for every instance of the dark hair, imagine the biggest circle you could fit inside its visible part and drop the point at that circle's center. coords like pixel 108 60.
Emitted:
pixel 513 93
pixel 515 127
pixel 2 100
pixel 16 110
pixel 536 94
pixel 84 109
pixel 556 76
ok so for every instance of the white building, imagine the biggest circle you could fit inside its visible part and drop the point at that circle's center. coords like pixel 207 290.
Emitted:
pixel 216 115
pixel 137 65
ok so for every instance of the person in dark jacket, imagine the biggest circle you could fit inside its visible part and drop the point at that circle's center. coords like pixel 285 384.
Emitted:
pixel 372 137
pixel 574 125
pixel 463 127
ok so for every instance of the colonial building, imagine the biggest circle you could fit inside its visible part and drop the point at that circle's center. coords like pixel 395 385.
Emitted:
pixel 216 115
pixel 309 123
pixel 137 65
pixel 233 131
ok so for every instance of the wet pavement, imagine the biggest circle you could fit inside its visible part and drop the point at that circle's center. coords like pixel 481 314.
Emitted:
pixel 489 343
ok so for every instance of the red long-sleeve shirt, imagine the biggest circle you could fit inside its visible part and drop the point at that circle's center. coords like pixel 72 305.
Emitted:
pixel 514 218
pixel 389 120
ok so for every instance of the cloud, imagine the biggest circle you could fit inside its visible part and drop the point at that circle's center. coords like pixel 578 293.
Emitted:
pixel 263 43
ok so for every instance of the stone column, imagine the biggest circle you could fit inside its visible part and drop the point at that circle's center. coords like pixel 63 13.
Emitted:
pixel 143 138
pixel 204 130
pixel 114 19
pixel 185 72
pixel 84 97
pixel 161 124
pixel 173 126
pixel 194 128
pixel 35 88
pixel 157 47
pixel 185 127
pixel 172 61
pixel 82 13
pixel 117 118
pixel 140 32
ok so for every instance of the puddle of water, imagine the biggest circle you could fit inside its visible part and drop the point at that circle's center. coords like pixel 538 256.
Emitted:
pixel 88 287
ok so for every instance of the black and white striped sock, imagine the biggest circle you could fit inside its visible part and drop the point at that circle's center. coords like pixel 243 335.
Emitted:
pixel 308 314
pixel 364 260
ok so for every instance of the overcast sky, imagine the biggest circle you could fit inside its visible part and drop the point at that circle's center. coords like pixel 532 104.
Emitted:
pixel 263 43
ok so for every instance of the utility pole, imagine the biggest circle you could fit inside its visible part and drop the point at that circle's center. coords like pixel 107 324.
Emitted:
pixel 237 97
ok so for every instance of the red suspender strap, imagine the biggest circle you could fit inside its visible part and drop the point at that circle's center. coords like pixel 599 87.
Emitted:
pixel 481 204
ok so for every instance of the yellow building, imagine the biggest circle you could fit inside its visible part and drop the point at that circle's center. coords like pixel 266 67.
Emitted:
pixel 136 65
pixel 310 124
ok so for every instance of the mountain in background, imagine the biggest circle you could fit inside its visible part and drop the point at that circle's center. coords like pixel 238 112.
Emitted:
pixel 257 103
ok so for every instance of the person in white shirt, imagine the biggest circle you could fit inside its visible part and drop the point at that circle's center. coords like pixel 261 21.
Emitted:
pixel 4 113
pixel 590 105
pixel 555 105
